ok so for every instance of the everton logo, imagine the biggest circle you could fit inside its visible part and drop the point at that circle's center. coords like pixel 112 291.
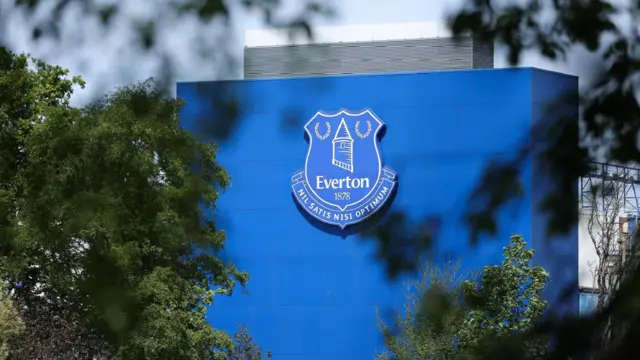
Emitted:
pixel 343 181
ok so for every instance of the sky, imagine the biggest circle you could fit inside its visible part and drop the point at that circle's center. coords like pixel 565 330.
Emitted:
pixel 107 60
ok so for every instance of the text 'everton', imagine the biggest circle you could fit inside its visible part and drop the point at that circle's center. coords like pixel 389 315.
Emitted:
pixel 323 183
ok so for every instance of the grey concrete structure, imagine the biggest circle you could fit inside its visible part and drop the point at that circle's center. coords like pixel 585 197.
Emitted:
pixel 362 57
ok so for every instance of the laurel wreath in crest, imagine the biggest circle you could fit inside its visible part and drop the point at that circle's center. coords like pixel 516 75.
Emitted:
pixel 361 135
pixel 326 135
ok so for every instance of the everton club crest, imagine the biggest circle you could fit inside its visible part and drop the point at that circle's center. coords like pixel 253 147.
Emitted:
pixel 344 180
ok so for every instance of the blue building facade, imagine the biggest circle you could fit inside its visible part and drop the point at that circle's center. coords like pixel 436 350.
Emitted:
pixel 313 294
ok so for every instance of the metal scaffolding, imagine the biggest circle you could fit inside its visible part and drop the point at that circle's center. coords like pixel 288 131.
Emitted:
pixel 606 185
pixel 611 193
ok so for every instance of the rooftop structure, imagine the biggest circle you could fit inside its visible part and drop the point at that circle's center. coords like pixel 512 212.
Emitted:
pixel 362 49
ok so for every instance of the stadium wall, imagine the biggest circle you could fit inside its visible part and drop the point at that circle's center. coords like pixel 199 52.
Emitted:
pixel 313 294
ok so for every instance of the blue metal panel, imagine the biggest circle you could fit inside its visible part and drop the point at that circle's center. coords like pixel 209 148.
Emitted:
pixel 588 302
pixel 553 94
pixel 313 295
pixel 633 223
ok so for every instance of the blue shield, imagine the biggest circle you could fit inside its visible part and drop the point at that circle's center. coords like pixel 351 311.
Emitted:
pixel 344 180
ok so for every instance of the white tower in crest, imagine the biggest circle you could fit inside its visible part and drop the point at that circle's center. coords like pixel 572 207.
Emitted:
pixel 343 148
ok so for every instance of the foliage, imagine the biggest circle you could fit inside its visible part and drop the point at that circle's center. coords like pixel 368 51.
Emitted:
pixel 11 325
pixel 26 96
pixel 54 331
pixel 610 120
pixel 203 24
pixel 610 117
pixel 454 316
pixel 603 227
pixel 106 217
pixel 206 11
pixel 608 131
pixel 426 328
pixel 244 347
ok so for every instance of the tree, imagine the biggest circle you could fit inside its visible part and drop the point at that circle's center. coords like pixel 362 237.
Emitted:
pixel 11 325
pixel 245 348
pixel 107 219
pixel 608 229
pixel 452 316
pixel 207 25
pixel 606 131
pixel 606 204
pixel 610 121
pixel 431 315
pixel 609 107
pixel 25 97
